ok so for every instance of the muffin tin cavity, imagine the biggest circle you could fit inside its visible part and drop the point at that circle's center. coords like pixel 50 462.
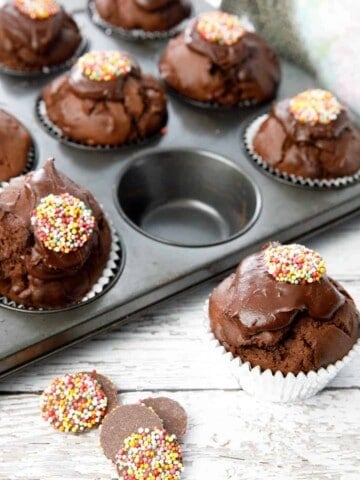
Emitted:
pixel 187 197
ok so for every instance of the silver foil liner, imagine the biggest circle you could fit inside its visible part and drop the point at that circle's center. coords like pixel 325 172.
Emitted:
pixel 50 70
pixel 55 132
pixel 108 277
pixel 134 34
pixel 276 387
pixel 318 183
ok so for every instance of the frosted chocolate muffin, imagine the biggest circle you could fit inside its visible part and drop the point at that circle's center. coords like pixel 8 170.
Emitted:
pixel 36 34
pixel 106 100
pixel 280 311
pixel 146 15
pixel 15 146
pixel 309 135
pixel 55 240
pixel 218 60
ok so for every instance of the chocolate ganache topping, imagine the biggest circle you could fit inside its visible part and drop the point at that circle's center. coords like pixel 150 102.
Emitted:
pixel 36 34
pixel 221 37
pixel 33 271
pixel 101 75
pixel 262 303
pixel 280 311
pixel 309 135
pixel 151 5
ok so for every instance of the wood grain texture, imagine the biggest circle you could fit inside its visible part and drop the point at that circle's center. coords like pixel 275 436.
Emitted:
pixel 230 437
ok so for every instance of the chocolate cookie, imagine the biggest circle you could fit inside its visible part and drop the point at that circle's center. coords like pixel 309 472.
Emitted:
pixel 121 423
pixel 171 413
pixel 109 388
pixel 74 403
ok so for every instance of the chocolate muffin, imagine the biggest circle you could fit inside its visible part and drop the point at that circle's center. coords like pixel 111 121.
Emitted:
pixel 106 100
pixel 15 146
pixel 55 240
pixel 309 136
pixel 147 15
pixel 35 34
pixel 280 311
pixel 218 60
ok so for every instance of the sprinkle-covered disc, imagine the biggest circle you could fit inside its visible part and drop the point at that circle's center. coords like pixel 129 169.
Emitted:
pixel 150 454
pixel 63 223
pixel 294 264
pixel 74 403
pixel 221 28
pixel 104 66
pixel 37 9
pixel 315 106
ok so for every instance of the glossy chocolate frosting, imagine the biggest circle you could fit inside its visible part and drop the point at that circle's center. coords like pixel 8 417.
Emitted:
pixel 15 144
pixel 29 44
pixel 223 74
pixel 123 110
pixel 31 274
pixel 147 15
pixel 154 4
pixel 311 151
pixel 113 90
pixel 281 326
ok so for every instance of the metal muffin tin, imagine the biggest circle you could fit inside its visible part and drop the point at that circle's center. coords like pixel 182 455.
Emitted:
pixel 186 209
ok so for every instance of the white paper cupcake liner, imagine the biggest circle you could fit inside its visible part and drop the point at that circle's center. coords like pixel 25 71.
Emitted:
pixel 47 70
pixel 276 387
pixel 55 132
pixel 135 34
pixel 292 179
pixel 108 277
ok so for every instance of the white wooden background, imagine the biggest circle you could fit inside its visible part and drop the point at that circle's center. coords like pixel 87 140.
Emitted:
pixel 231 436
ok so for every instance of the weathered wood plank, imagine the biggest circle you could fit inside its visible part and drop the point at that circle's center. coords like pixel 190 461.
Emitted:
pixel 230 437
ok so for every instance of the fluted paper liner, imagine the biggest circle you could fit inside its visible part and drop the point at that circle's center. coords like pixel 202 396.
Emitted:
pixel 322 183
pixel 277 387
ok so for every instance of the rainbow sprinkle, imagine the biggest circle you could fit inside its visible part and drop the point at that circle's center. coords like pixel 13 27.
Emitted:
pixel 150 455
pixel 221 28
pixel 63 223
pixel 74 403
pixel 37 9
pixel 104 66
pixel 315 106
pixel 294 264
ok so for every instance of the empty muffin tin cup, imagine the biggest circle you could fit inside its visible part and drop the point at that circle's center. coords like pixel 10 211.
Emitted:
pixel 187 197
